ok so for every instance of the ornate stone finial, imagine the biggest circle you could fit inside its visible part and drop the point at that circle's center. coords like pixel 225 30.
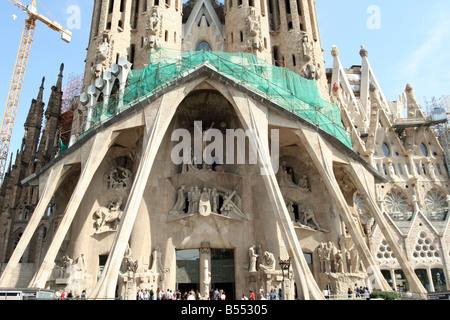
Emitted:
pixel 363 52
pixel 335 51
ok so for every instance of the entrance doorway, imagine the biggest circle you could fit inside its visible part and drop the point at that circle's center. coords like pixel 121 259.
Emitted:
pixel 222 272
pixel 188 270
pixel 221 269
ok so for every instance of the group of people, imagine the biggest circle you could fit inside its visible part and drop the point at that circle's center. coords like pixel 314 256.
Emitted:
pixel 274 294
pixel 359 291
pixel 63 295
pixel 145 294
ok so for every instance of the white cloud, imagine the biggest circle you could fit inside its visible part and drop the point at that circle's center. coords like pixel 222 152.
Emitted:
pixel 429 53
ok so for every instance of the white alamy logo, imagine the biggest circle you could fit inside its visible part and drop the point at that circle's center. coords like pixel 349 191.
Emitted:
pixel 207 147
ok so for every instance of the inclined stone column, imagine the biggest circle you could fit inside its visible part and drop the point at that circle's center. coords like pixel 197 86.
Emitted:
pixel 53 180
pixel 322 157
pixel 256 118
pixel 358 176
pixel 157 117
pixel 96 151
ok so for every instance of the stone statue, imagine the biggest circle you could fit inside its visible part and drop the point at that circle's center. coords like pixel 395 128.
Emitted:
pixel 191 201
pixel 432 171
pixel 269 262
pixel 253 258
pixel 322 258
pixel 153 23
pixel 196 194
pixel 304 182
pixel 232 208
pixel 107 218
pixel 286 178
pixel 355 261
pixel 307 216
pixel 311 72
pixel 215 201
pixel 327 250
pixel 305 49
pixel 205 203
pixel 119 178
pixel 339 262
pixel 254 31
pixel 103 50
pixel 290 207
pixel 180 205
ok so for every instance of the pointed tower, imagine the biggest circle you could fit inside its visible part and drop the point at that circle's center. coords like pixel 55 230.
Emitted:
pixel 131 29
pixel 49 145
pixel 247 28
pixel 13 196
pixel 285 33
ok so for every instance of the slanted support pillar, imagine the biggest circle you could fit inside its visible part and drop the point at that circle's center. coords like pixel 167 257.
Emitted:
pixel 358 177
pixel 53 181
pixel 158 118
pixel 322 156
pixel 256 119
pixel 96 152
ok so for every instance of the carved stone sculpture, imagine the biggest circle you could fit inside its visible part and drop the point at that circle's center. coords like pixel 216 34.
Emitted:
pixel 253 258
pixel 254 31
pixel 308 218
pixel 305 50
pixel 180 205
pixel 153 23
pixel 269 261
pixel 215 201
pixel 205 202
pixel 107 218
pixel 119 178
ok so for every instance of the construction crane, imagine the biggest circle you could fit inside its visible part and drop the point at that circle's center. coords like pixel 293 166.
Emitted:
pixel 19 72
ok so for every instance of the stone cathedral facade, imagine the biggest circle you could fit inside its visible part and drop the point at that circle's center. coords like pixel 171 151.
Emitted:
pixel 347 186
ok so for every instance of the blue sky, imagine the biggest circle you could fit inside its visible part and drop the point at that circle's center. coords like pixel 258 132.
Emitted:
pixel 408 42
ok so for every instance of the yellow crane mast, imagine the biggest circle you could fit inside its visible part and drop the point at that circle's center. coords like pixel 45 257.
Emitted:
pixel 15 88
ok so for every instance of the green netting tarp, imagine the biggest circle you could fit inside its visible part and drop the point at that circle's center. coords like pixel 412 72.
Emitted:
pixel 279 85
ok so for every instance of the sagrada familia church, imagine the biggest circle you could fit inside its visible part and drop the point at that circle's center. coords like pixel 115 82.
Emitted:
pixel 211 148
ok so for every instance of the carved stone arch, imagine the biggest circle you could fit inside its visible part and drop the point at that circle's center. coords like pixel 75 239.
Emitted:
pixel 14 240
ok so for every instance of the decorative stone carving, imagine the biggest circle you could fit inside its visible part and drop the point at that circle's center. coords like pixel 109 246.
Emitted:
pixel 308 219
pixel 215 201
pixel 205 202
pixel 254 31
pixel 268 262
pixel 327 252
pixel 311 72
pixel 107 218
pixel 104 49
pixel 72 273
pixel 232 207
pixel 154 23
pixel 286 181
pixel 119 178
pixel 154 29
pixel 180 205
pixel 253 255
pixel 102 56
pixel 305 50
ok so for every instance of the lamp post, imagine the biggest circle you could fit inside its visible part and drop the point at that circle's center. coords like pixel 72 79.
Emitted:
pixel 284 265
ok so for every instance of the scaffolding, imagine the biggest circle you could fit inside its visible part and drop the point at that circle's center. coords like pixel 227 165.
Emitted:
pixel 437 110
pixel 281 86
